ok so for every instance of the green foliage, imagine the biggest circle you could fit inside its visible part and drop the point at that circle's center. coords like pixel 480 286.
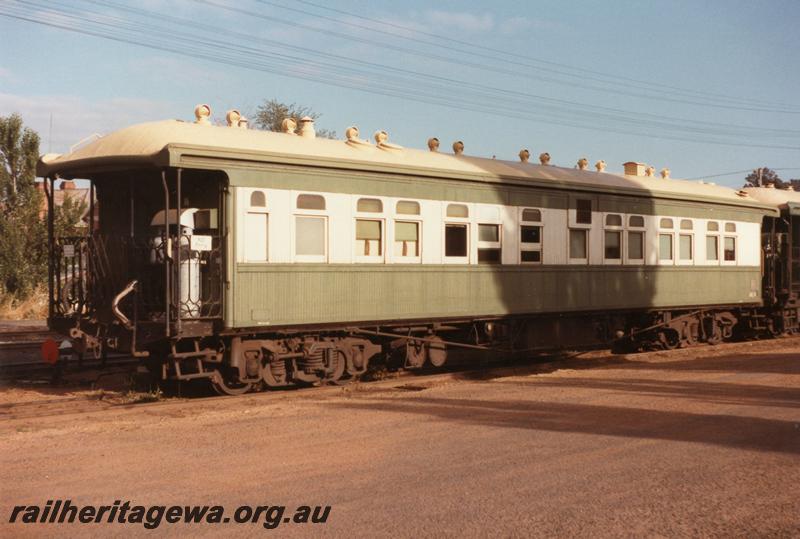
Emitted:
pixel 68 217
pixel 768 177
pixel 23 235
pixel 272 112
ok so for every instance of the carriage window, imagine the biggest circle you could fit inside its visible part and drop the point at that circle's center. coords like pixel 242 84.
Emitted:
pixel 713 226
pixel 257 199
pixel 310 238
pixel 583 212
pixel 455 240
pixel 636 245
pixel 406 239
pixel 730 249
pixel 685 247
pixel 712 247
pixel 489 246
pixel 665 246
pixel 666 223
pixel 686 224
pixel 730 227
pixel 613 220
pixel 457 210
pixel 369 205
pixel 408 207
pixel 613 247
pixel 310 202
pixel 368 238
pixel 530 240
pixel 636 221
pixel 531 216
pixel 577 244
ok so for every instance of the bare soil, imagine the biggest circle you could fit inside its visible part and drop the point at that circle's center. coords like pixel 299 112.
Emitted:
pixel 702 441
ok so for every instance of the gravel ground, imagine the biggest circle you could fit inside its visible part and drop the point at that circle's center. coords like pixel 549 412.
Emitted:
pixel 699 442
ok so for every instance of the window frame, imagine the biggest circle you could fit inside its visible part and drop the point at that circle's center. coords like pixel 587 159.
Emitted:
pixel 489 245
pixel 407 259
pixel 626 259
pixel 312 259
pixel 665 231
pixel 528 246
pixel 578 261
pixel 735 261
pixel 457 221
pixel 679 261
pixel 619 230
pixel 711 261
pixel 258 210
pixel 573 212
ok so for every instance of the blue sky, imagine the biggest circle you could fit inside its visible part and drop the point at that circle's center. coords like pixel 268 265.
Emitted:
pixel 703 88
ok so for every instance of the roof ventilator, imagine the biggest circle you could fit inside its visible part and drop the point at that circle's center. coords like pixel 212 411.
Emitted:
pixel 382 141
pixel 458 147
pixel 600 166
pixel 289 126
pixel 351 133
pixel 307 127
pixel 433 144
pixel 202 113
pixel 582 164
pixel 544 158
pixel 524 155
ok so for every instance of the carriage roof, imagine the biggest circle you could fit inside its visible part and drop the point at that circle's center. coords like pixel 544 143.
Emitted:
pixel 164 143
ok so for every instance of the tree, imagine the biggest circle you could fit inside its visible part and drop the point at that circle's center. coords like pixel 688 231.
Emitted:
pixel 23 235
pixel 271 113
pixel 768 177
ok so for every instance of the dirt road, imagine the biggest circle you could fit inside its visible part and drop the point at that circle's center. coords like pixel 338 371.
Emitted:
pixel 683 443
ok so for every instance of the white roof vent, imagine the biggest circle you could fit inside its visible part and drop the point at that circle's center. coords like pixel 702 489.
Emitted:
pixel 244 123
pixel 650 171
pixel 544 158
pixel 524 155
pixel 600 166
pixel 351 134
pixel 433 144
pixel 232 117
pixel 307 127
pixel 202 113
pixel 382 140
pixel 458 147
pixel 665 173
pixel 583 163
pixel 289 126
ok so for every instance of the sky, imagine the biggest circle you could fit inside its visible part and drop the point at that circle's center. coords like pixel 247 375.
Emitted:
pixel 703 88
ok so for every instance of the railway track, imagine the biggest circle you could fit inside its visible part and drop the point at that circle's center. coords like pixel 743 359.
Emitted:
pixel 101 402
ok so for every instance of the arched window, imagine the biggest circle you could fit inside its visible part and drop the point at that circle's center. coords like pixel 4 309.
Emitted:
pixel 310 202
pixel 666 222
pixel 369 205
pixel 408 207
pixel 457 210
pixel 613 219
pixel 257 199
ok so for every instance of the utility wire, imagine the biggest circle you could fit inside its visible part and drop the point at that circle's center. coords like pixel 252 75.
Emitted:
pixel 505 56
pixel 308 72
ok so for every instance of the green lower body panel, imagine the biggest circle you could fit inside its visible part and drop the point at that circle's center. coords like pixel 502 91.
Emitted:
pixel 299 294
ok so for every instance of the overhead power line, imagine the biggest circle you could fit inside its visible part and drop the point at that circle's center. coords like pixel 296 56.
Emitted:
pixel 526 60
pixel 359 75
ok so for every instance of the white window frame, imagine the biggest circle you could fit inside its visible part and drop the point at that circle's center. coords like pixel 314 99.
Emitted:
pixel 715 234
pixel 258 210
pixel 627 260
pixel 579 261
pixel 465 221
pixel 408 259
pixel 489 244
pixel 680 231
pixel 614 228
pixel 369 259
pixel 528 246
pixel 722 260
pixel 321 259
pixel 671 233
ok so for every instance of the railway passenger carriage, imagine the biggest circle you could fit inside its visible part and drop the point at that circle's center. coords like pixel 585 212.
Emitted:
pixel 254 258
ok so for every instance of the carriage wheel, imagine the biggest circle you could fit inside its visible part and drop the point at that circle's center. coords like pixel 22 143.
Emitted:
pixel 229 387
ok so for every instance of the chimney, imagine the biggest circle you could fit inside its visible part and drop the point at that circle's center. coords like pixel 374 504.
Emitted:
pixel 632 168
pixel 307 127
